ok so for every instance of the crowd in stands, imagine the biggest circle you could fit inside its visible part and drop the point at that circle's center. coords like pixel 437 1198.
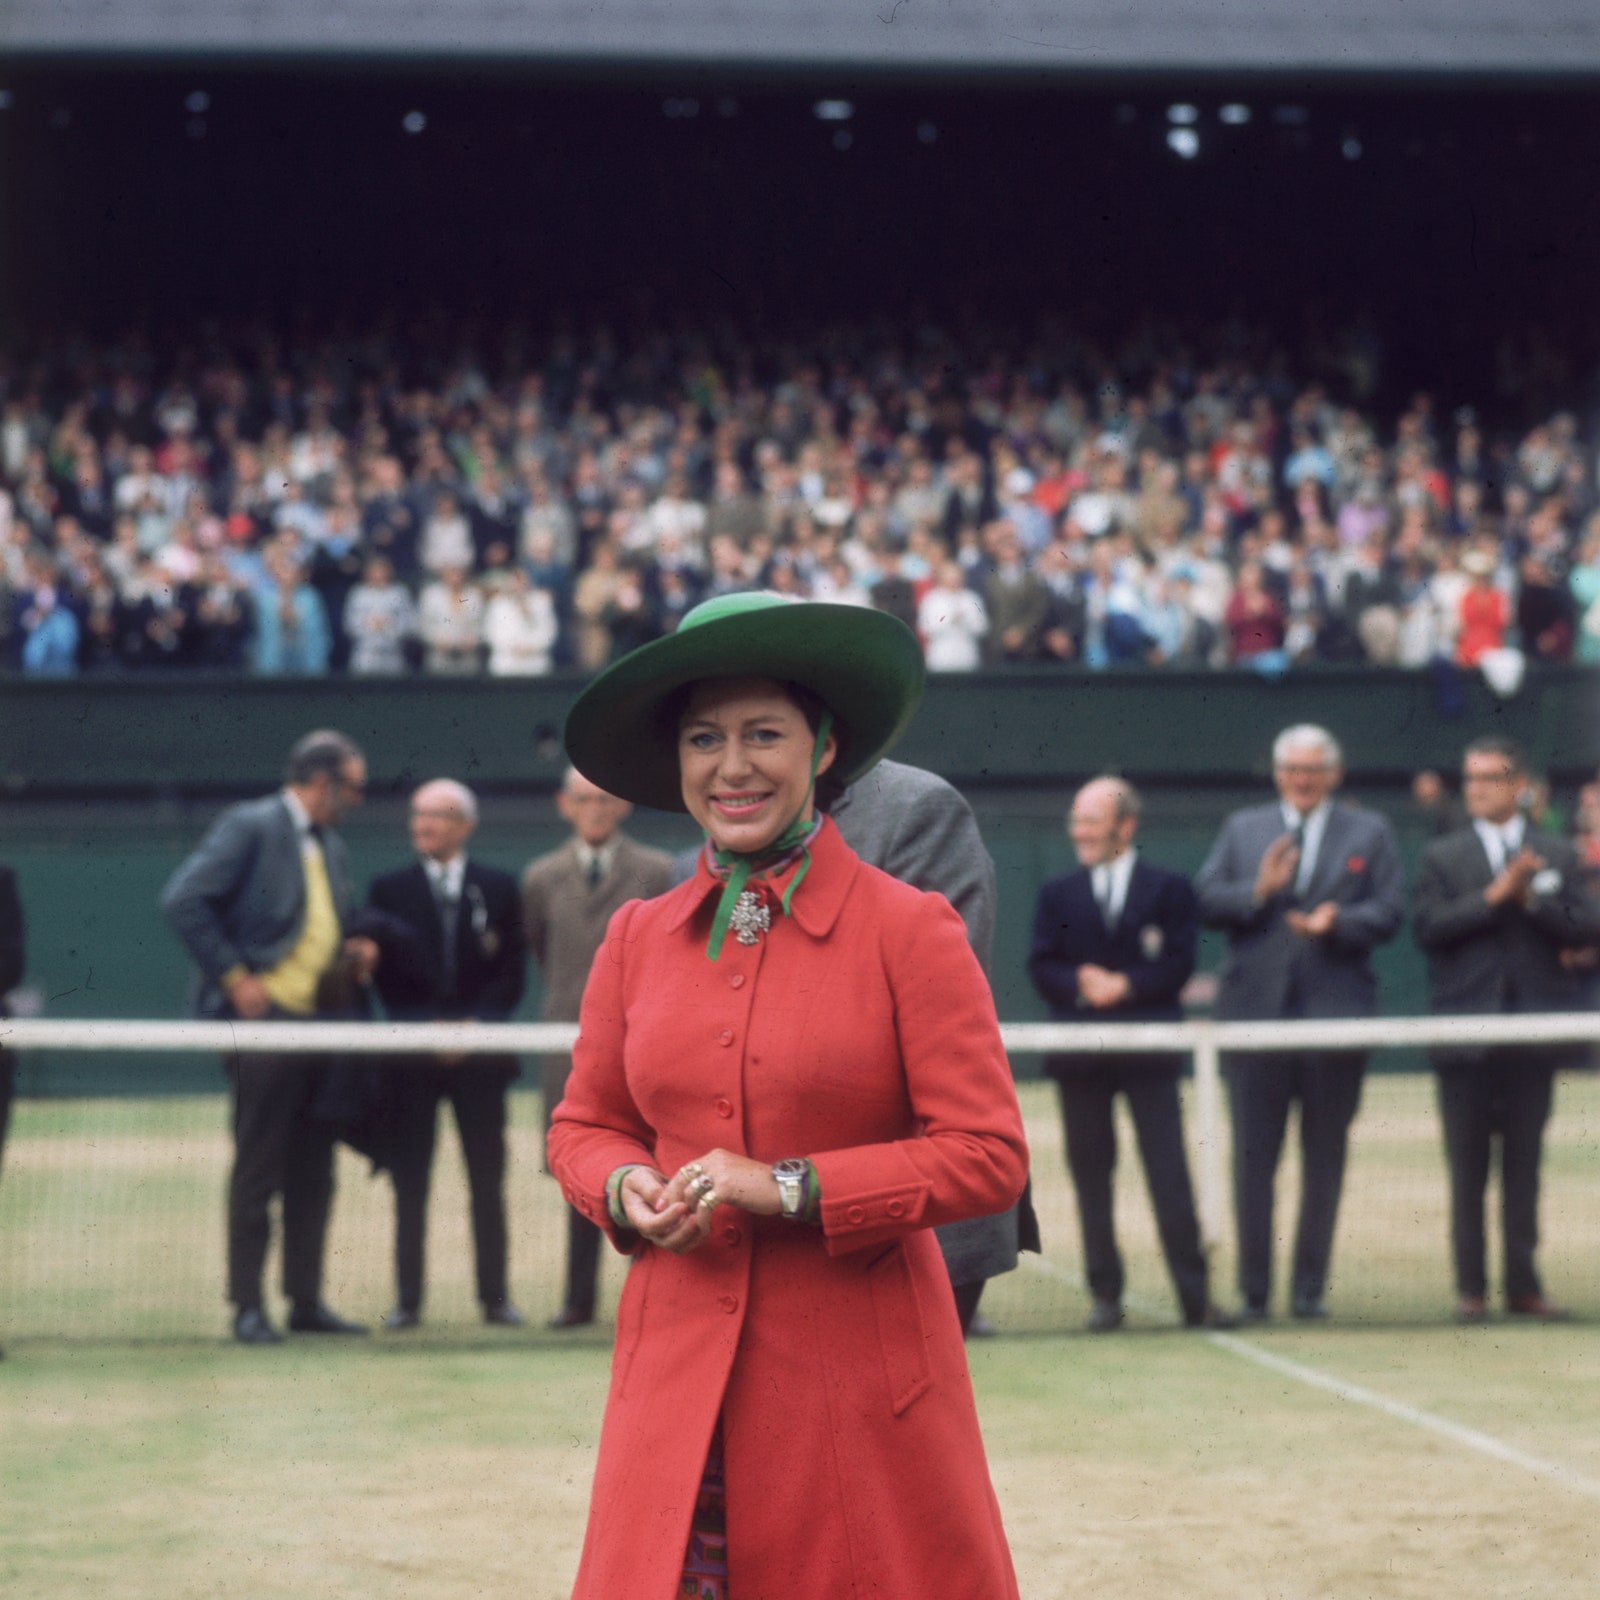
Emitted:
pixel 347 507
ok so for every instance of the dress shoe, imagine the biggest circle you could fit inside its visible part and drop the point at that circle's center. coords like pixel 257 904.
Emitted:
pixel 1309 1308
pixel 572 1317
pixel 1250 1312
pixel 980 1327
pixel 250 1326
pixel 1472 1308
pixel 1535 1305
pixel 317 1318
pixel 502 1314
pixel 1105 1316
pixel 400 1319
pixel 1209 1317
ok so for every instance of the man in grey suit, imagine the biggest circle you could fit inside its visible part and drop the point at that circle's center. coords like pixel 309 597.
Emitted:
pixel 568 897
pixel 1306 887
pixel 1503 911
pixel 918 828
pixel 261 906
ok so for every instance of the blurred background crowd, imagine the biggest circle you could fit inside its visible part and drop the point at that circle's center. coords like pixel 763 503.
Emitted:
pixel 469 498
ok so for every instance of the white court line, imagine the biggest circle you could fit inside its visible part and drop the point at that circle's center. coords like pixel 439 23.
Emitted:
pixel 1472 1438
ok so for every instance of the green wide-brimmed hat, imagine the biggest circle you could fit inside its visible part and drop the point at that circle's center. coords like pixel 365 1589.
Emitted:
pixel 865 666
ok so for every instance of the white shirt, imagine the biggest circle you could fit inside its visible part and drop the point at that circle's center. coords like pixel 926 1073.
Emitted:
pixel 446 877
pixel 1501 841
pixel 1110 881
pixel 1315 825
pixel 588 855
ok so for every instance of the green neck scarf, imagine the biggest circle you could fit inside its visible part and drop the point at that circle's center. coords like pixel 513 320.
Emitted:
pixel 739 865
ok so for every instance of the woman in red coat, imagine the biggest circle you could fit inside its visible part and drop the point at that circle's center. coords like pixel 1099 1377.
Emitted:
pixel 788 1072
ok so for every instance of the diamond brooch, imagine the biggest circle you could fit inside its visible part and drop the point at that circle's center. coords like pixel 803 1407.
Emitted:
pixel 751 918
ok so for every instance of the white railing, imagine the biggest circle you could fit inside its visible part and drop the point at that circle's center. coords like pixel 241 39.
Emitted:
pixel 1203 1039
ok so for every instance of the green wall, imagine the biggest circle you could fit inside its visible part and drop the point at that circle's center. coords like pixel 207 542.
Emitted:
pixel 191 733
pixel 106 785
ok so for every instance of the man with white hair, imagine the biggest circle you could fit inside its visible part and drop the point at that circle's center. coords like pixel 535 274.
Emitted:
pixel 453 950
pixel 1306 887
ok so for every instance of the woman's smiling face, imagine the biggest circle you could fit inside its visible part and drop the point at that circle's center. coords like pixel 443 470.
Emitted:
pixel 744 758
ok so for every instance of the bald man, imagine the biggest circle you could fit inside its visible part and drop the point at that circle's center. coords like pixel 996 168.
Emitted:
pixel 1114 941
pixel 453 950
pixel 568 897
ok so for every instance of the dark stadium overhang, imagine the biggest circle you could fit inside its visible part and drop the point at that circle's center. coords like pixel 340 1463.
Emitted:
pixel 1071 38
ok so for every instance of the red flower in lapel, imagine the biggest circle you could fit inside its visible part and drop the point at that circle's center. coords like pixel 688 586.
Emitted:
pixel 1356 864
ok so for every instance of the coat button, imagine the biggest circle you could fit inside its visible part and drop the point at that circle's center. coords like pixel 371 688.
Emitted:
pixel 736 981
pixel 731 1236
pixel 729 1303
pixel 724 1108
pixel 897 1208
pixel 726 1036
pixel 856 1214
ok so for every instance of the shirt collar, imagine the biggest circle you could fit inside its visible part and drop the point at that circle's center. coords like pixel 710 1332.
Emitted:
pixel 298 815
pixel 447 876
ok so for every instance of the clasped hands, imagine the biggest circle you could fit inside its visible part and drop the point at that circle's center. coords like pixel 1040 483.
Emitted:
pixel 675 1213
pixel 1514 881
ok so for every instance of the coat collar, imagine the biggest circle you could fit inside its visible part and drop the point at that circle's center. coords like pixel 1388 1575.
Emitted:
pixel 817 902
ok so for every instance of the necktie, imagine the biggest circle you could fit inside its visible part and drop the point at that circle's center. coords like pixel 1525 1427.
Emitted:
pixel 596 871
pixel 1102 893
pixel 447 932
pixel 1302 872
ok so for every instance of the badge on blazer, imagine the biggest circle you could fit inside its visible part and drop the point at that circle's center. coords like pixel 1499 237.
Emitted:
pixel 1151 941
pixel 1546 882
pixel 489 940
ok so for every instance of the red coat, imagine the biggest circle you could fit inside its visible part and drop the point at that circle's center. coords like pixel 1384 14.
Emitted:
pixel 859 1033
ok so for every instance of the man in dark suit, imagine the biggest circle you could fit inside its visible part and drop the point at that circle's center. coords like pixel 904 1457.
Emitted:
pixel 1306 887
pixel 1115 942
pixel 460 955
pixel 11 967
pixel 568 897
pixel 1503 912
pixel 261 907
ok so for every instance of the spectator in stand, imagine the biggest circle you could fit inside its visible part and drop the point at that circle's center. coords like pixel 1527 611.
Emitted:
pixel 219 614
pixel 291 635
pixel 593 597
pixel 952 623
pixel 1584 584
pixel 447 538
pixel 1016 600
pixel 380 618
pixel 519 627
pixel 450 624
pixel 1254 619
pixel 1544 612
pixel 1484 612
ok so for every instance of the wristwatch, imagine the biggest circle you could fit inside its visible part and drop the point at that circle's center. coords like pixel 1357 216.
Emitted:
pixel 790 1177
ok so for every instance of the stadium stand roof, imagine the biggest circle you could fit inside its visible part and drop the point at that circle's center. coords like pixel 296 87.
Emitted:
pixel 1559 38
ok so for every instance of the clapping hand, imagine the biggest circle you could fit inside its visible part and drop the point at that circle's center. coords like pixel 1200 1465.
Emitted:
pixel 1314 924
pixel 1278 867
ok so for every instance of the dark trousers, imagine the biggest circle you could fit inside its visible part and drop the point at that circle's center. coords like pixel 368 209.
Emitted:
pixel 1261 1088
pixel 1087 1096
pixel 280 1149
pixel 477 1096
pixel 583 1237
pixel 1508 1094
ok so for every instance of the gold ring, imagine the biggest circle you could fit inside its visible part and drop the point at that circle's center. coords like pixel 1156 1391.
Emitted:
pixel 703 1184
pixel 708 1201
pixel 693 1172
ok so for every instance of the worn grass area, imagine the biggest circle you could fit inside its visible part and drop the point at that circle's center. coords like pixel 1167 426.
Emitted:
pixel 1155 1464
